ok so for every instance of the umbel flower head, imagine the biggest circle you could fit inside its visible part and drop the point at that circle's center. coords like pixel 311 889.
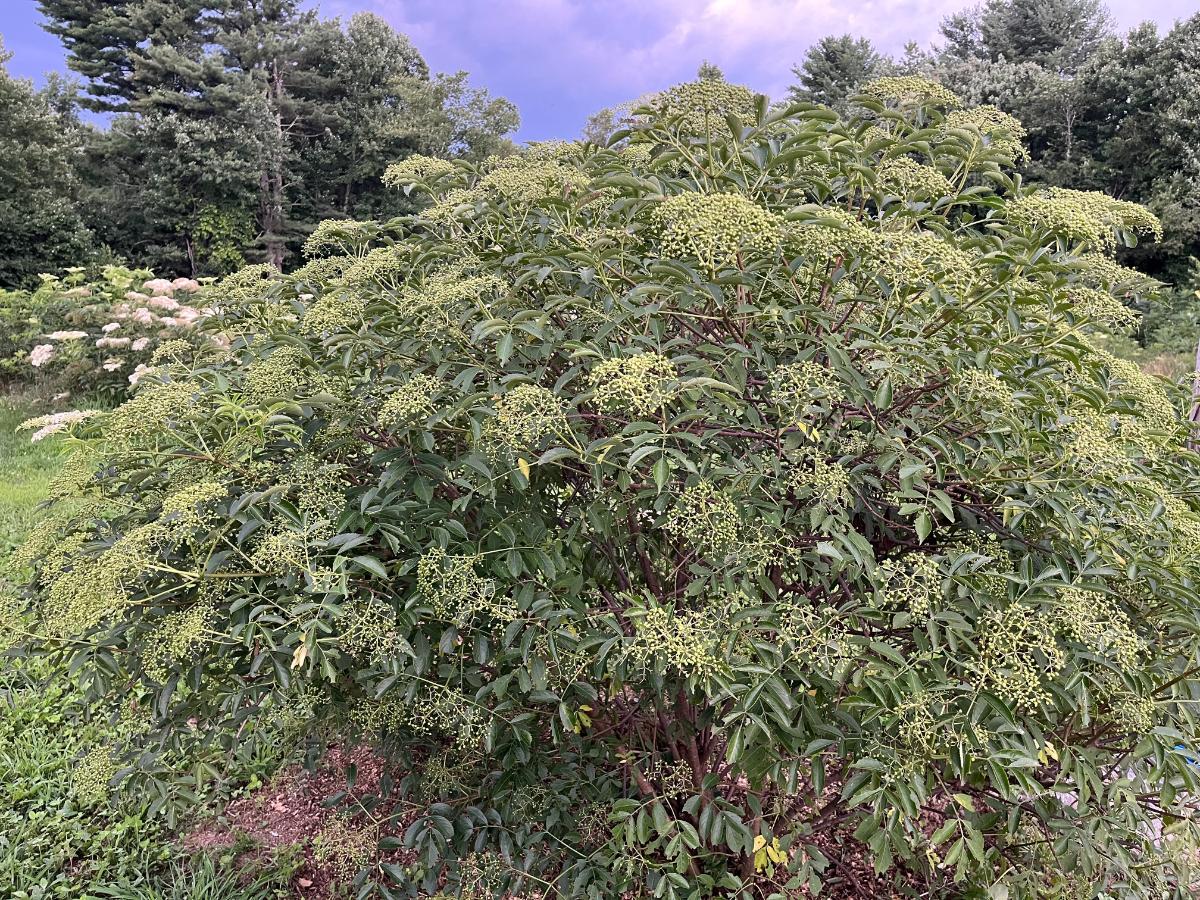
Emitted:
pixel 640 384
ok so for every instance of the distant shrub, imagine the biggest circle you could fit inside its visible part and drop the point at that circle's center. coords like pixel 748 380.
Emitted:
pixel 683 516
pixel 95 335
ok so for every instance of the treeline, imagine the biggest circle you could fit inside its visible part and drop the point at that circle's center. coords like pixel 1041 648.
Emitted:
pixel 1103 112
pixel 234 126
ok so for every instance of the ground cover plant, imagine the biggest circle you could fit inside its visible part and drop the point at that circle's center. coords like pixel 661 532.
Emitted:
pixel 745 508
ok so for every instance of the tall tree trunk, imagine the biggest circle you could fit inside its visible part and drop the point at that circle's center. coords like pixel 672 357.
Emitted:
pixel 272 176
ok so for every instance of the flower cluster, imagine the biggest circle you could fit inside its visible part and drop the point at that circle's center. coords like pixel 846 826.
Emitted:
pixel 91 776
pixel 825 483
pixel 176 638
pixel 796 388
pixel 416 169
pixel 1096 621
pixel 641 384
pixel 525 415
pixel 282 374
pixel 701 107
pixel 908 178
pixel 434 712
pixel 456 592
pixel 367 629
pixel 152 410
pixel 1001 131
pixel 55 423
pixel 338 311
pixel 906 90
pixel 687 641
pixel 1095 305
pixel 411 402
pixel 1017 650
pixel 817 636
pixel 716 229
pixel 912 582
pixel 344 848
pixel 341 237
pixel 707 519
pixel 835 237
pixel 911 259
pixel 1089 217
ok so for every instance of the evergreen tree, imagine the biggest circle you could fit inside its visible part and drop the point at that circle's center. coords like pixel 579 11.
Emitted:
pixel 241 123
pixel 834 68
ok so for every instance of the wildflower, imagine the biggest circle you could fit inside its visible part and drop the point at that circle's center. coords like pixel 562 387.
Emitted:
pixel 113 342
pixel 143 316
pixel 67 335
pixel 56 422
pixel 716 228
pixel 641 384
pixel 186 285
pixel 41 354
pixel 140 344
pixel 112 364
pixel 136 297
pixel 111 327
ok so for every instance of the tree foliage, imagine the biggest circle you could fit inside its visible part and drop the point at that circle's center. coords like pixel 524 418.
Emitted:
pixel 240 125
pixel 41 143
pixel 679 513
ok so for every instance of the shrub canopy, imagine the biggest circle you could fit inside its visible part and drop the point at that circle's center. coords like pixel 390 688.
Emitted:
pixel 675 509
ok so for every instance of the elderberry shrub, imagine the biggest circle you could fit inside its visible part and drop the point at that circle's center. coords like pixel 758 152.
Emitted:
pixel 670 507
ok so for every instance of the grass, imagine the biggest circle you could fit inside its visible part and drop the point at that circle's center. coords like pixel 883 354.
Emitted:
pixel 52 844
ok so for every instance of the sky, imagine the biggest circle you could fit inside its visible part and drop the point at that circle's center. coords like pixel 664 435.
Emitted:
pixel 561 60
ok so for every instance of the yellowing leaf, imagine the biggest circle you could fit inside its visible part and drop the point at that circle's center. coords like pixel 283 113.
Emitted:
pixel 301 652
pixel 523 465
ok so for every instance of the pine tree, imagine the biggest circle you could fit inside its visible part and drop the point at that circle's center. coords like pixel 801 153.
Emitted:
pixel 834 68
